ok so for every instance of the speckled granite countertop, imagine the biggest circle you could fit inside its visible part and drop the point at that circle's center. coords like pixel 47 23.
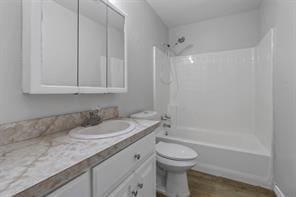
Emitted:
pixel 37 166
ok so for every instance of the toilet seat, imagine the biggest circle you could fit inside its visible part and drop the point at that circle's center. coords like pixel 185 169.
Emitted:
pixel 175 152
pixel 174 165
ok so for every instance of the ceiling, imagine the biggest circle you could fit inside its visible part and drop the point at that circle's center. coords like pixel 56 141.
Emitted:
pixel 181 12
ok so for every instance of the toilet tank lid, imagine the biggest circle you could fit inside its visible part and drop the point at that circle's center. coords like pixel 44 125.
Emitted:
pixel 175 151
pixel 148 115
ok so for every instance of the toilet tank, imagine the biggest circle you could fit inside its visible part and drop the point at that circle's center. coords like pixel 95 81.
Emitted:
pixel 149 115
pixel 146 115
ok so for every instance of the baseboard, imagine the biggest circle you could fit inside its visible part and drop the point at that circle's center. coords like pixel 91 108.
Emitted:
pixel 235 175
pixel 278 192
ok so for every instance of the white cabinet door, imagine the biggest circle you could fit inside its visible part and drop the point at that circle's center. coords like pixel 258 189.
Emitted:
pixel 125 189
pixel 116 76
pixel 111 172
pixel 65 46
pixel 142 183
pixel 92 46
pixel 79 187
pixel 146 178
pixel 50 46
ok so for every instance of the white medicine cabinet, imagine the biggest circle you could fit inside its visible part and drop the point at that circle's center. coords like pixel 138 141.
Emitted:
pixel 73 47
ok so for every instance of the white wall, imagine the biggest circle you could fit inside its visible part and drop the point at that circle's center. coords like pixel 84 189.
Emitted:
pixel 145 30
pixel 224 33
pixel 267 16
pixel 284 90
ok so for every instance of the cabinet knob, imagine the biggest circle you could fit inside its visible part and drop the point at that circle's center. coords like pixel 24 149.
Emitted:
pixel 140 185
pixel 137 156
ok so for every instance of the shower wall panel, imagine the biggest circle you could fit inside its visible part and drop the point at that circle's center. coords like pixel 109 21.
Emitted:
pixel 215 91
pixel 263 118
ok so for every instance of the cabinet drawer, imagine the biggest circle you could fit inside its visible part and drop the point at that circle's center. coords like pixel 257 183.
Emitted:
pixel 111 172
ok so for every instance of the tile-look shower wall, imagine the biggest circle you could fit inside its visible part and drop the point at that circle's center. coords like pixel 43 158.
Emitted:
pixel 24 130
pixel 215 91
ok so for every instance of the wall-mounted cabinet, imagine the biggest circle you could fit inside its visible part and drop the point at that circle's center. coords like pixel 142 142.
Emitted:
pixel 73 46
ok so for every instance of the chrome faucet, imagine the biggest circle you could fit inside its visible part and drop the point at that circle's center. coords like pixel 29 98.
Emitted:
pixel 95 118
pixel 166 125
pixel 165 117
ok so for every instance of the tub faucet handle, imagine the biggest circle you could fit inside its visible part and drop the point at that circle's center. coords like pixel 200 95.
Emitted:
pixel 137 156
pixel 165 117
pixel 135 193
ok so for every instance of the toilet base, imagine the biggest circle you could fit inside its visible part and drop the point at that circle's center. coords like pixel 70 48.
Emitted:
pixel 177 185
pixel 172 184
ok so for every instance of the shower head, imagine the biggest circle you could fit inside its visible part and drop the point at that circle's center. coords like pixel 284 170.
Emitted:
pixel 181 40
pixel 171 48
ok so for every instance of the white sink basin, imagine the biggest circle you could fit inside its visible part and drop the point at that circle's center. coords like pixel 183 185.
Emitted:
pixel 106 129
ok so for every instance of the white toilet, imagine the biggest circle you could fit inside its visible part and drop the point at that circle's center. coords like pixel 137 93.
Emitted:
pixel 173 161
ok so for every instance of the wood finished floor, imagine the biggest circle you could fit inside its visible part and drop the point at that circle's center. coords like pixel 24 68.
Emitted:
pixel 204 185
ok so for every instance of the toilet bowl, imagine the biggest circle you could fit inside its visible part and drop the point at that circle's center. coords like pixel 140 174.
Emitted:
pixel 175 160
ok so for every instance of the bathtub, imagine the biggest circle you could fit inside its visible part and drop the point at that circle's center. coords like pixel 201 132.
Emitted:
pixel 235 156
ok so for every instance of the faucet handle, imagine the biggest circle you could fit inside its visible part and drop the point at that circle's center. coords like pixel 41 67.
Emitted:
pixel 95 117
pixel 166 117
pixel 98 109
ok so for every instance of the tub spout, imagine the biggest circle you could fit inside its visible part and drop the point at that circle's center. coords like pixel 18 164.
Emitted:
pixel 166 125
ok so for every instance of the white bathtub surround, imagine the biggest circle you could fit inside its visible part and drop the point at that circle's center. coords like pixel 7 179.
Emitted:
pixel 215 91
pixel 263 103
pixel 221 106
pixel 229 91
pixel 278 192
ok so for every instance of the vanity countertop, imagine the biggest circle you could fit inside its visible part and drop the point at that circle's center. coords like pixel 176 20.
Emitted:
pixel 37 166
